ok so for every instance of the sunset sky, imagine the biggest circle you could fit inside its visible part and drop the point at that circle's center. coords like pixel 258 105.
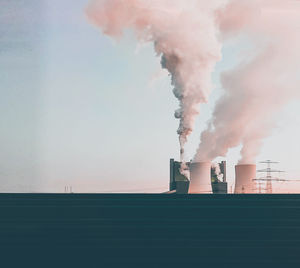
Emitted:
pixel 79 109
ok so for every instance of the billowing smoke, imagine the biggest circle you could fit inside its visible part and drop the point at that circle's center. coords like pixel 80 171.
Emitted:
pixel 257 89
pixel 185 36
pixel 217 170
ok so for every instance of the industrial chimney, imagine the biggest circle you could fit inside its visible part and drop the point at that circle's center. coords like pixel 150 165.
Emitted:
pixel 244 176
pixel 200 178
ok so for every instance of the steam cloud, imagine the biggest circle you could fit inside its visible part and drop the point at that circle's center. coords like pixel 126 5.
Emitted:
pixel 188 35
pixel 260 86
pixel 184 35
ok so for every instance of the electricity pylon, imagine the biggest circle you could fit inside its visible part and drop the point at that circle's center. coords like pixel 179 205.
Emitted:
pixel 268 178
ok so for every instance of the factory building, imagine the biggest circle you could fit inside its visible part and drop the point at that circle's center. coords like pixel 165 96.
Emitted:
pixel 202 178
pixel 219 186
pixel 178 182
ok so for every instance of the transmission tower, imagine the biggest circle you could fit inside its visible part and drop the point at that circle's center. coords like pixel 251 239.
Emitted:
pixel 259 187
pixel 268 178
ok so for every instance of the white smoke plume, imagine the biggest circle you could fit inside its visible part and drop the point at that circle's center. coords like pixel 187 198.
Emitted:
pixel 257 89
pixel 217 170
pixel 185 36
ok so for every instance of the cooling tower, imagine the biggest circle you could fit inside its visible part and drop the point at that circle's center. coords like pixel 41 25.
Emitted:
pixel 200 178
pixel 244 175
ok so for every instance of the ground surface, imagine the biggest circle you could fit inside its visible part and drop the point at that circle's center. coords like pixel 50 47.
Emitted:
pixel 146 229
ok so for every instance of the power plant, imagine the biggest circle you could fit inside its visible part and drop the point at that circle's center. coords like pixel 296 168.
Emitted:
pixel 201 178
pixel 208 178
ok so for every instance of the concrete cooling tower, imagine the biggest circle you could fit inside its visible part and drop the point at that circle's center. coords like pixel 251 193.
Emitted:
pixel 244 175
pixel 200 178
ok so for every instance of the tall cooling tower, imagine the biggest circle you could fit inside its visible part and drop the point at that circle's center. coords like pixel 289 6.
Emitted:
pixel 244 175
pixel 200 178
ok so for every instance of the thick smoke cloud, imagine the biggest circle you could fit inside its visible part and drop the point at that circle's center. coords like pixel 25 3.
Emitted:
pixel 188 35
pixel 184 34
pixel 257 89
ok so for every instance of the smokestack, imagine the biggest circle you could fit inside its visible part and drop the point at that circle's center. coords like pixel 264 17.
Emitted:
pixel 244 175
pixel 200 178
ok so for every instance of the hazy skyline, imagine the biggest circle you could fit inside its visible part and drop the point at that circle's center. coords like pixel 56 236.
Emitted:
pixel 80 109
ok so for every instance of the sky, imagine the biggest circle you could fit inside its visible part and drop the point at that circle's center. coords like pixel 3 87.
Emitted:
pixel 79 109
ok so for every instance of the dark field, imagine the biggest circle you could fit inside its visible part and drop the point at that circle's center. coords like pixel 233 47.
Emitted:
pixel 100 230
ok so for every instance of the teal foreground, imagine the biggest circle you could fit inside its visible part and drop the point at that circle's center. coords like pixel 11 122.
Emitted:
pixel 151 229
